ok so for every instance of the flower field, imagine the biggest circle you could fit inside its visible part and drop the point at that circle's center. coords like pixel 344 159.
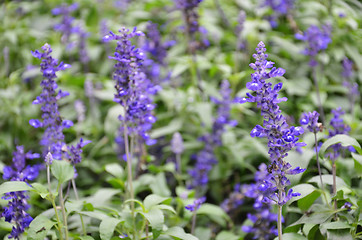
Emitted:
pixel 181 119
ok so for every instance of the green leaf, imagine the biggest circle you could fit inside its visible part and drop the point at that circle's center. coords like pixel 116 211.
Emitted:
pixel 166 207
pixel 305 203
pixel 226 235
pixel 153 200
pixel 339 234
pixel 107 226
pixel 85 238
pixel 216 213
pixel 357 163
pixel 174 126
pixel 328 179
pixel 335 225
pixel 343 139
pixel 115 169
pixel 292 236
pixel 180 233
pixel 159 185
pixel 40 189
pixel 304 190
pixel 155 218
pixel 315 217
pixel 14 186
pixel 39 227
pixel 62 170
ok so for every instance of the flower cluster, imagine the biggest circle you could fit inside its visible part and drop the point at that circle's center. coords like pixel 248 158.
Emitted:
pixel 205 159
pixel 317 40
pixel 66 26
pixel 196 204
pixel 311 120
pixel 134 90
pixel 53 138
pixel 157 52
pixel 281 137
pixel 337 126
pixel 280 8
pixel 75 151
pixel 235 200
pixel 189 10
pixel 15 212
pixel 263 220
pixel 177 144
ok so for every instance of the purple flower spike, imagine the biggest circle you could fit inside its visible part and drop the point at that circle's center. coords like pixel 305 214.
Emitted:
pixel 53 138
pixel 196 204
pixel 134 89
pixel 15 212
pixel 281 137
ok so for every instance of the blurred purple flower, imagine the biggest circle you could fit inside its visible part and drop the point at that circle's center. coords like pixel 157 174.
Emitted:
pixel 196 204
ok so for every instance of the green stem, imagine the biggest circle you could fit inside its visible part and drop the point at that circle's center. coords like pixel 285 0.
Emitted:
pixel 61 202
pixel 193 222
pixel 51 198
pixel 334 172
pixel 319 167
pixel 129 174
pixel 80 215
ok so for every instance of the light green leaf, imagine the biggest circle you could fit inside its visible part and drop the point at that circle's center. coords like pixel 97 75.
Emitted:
pixel 328 179
pixel 107 226
pixel 85 238
pixel 304 190
pixel 292 236
pixel 343 139
pixel 357 163
pixel 166 207
pixel 159 185
pixel 39 227
pixel 14 186
pixel 40 189
pixel 155 218
pixel 115 169
pixel 179 233
pixel 174 126
pixel 214 212
pixel 335 225
pixel 226 235
pixel 62 170
pixel 153 200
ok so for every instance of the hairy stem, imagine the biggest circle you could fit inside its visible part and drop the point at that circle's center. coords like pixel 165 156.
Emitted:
pixel 129 174
pixel 53 204
pixel 334 187
pixel 280 228
pixel 193 226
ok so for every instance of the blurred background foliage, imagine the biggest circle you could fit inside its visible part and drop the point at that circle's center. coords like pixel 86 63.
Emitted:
pixel 27 25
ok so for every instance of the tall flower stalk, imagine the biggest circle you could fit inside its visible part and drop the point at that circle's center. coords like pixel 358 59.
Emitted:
pixel 310 119
pixel 53 138
pixel 348 82
pixel 281 137
pixel 134 94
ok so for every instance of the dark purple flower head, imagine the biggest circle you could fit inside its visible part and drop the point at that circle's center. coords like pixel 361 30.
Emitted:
pixel 311 120
pixel 281 137
pixel 317 39
pixel 15 212
pixel 196 204
pixel 134 89
pixel 53 138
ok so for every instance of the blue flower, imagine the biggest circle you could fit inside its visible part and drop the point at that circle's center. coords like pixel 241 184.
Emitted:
pixel 196 204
